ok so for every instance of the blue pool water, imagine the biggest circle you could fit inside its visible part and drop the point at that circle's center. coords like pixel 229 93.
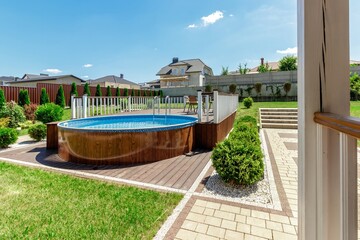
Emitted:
pixel 129 123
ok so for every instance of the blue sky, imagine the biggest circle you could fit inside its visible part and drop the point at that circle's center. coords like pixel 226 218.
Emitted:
pixel 96 38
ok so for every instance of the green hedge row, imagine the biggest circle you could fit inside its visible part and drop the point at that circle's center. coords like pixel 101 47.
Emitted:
pixel 239 159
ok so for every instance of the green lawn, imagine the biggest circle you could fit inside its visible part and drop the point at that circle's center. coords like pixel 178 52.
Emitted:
pixel 36 204
pixel 67 114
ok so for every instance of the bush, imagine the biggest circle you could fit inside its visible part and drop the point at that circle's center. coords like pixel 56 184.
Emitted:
pixel 98 92
pixel 29 111
pixel 49 112
pixel 287 88
pixel 118 92
pixel 7 136
pixel 60 97
pixel 232 88
pixel 14 112
pixel 37 131
pixel 73 90
pixel 44 97
pixel 126 92
pixel 258 87
pixel 26 124
pixel 248 102
pixel 132 92
pixel 2 98
pixel 24 97
pixel 4 122
pixel 208 88
pixel 239 159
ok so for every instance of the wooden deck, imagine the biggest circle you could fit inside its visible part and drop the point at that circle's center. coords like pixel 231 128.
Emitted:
pixel 178 172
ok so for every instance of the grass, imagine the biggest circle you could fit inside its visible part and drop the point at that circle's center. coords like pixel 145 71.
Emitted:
pixel 67 114
pixel 35 204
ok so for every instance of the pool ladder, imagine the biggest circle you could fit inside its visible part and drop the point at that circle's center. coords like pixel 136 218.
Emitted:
pixel 167 107
pixel 156 104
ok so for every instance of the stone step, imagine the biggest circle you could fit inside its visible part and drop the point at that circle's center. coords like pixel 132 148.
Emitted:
pixel 283 121
pixel 279 116
pixel 279 125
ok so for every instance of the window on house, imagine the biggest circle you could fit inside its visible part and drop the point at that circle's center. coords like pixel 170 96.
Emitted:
pixel 174 71
pixel 182 71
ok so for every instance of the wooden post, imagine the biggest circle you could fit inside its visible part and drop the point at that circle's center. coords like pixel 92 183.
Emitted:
pixel 327 200
pixel 52 139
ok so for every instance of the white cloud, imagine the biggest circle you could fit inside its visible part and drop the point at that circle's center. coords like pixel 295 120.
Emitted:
pixel 192 26
pixel 52 70
pixel 288 51
pixel 212 18
pixel 88 65
pixel 231 15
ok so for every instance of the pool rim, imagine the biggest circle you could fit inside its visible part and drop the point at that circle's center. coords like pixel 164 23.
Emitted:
pixel 144 129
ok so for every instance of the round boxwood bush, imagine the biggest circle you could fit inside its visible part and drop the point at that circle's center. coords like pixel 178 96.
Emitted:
pixel 49 112
pixel 7 136
pixel 14 112
pixel 238 162
pixel 248 102
pixel 37 131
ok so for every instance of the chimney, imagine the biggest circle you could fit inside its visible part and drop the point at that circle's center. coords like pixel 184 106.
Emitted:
pixel 175 60
pixel 121 75
pixel 261 61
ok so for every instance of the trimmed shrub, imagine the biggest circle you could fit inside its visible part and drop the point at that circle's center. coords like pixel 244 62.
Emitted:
pixel 248 102
pixel 98 92
pixel 24 97
pixel 108 91
pixel 257 87
pixel 232 88
pixel 132 92
pixel 60 97
pixel 37 131
pixel 287 88
pixel 2 98
pixel 14 112
pixel 208 88
pixel 87 89
pixel 44 97
pixel 73 90
pixel 26 124
pixel 49 112
pixel 238 159
pixel 29 111
pixel 7 136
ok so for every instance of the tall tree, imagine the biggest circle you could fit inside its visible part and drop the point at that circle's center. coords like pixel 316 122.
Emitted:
pixel 118 92
pixel 74 90
pixel 288 63
pixel 60 97
pixel 126 92
pixel 2 98
pixel 44 97
pixel 24 98
pixel 87 89
pixel 108 91
pixel 224 71
pixel 98 91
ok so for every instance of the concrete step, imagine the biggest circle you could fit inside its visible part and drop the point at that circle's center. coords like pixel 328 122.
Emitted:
pixel 279 116
pixel 278 113
pixel 278 109
pixel 279 125
pixel 282 121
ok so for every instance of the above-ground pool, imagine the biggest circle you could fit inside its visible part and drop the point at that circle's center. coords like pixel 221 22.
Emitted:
pixel 125 139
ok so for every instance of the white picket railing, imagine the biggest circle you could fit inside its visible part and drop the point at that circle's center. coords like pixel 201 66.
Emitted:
pixel 224 106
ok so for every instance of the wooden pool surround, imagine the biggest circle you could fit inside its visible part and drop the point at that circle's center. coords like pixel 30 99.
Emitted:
pixel 101 148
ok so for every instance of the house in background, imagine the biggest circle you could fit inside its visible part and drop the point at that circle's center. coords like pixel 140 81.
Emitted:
pixel 114 82
pixel 150 85
pixel 30 80
pixel 184 73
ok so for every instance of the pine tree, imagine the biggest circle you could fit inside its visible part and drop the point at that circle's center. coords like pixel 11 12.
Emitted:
pixel 24 98
pixel 74 90
pixel 60 97
pixel 145 93
pixel 108 91
pixel 118 92
pixel 126 92
pixel 87 89
pixel 44 97
pixel 132 92
pixel 98 91
pixel 2 98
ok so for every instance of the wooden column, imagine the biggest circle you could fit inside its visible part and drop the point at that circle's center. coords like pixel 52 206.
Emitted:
pixel 326 211
pixel 52 135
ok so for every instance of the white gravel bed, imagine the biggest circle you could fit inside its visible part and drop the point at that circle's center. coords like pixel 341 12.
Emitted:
pixel 258 194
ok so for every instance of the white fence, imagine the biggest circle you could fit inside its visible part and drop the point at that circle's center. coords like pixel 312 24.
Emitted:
pixel 224 106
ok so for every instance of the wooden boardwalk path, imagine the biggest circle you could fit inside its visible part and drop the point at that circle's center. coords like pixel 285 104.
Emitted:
pixel 178 172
